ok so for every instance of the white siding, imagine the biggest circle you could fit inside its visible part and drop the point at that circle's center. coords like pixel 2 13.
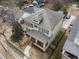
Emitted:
pixel 55 31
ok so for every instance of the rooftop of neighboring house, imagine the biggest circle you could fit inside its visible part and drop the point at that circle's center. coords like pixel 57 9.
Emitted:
pixel 72 43
pixel 12 14
pixel 31 9
pixel 40 1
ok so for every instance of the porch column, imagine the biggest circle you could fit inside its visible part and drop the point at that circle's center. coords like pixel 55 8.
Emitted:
pixel 63 51
pixel 36 41
pixel 30 37
pixel 44 45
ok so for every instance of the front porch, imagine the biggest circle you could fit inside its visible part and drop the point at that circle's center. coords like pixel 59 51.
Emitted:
pixel 38 39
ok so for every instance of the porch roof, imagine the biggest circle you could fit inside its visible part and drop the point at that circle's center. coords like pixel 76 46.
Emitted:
pixel 38 36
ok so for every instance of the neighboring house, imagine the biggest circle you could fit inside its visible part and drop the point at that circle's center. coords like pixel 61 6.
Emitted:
pixel 42 26
pixel 71 47
pixel 71 1
pixel 40 3
pixel 3 9
pixel 11 15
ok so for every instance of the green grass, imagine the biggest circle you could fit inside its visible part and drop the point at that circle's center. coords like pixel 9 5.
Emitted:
pixel 57 52
pixel 57 55
pixel 49 51
pixel 57 38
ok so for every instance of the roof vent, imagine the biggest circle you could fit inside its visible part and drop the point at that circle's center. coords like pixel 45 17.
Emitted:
pixel 35 2
pixel 31 5
pixel 29 9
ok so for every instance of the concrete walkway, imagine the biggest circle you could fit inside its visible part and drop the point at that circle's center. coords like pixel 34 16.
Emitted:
pixel 16 56
pixel 27 52
pixel 2 57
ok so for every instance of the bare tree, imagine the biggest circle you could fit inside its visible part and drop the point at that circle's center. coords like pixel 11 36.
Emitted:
pixel 65 12
pixel 2 31
pixel 55 4
pixel 21 3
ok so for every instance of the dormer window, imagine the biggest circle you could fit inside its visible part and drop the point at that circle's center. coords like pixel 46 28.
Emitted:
pixel 41 21
pixel 29 9
pixel 38 19
pixel 35 26
pixel 35 20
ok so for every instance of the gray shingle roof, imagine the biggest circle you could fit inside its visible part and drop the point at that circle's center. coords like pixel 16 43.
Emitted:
pixel 69 45
pixel 38 35
pixel 50 18
pixel 31 9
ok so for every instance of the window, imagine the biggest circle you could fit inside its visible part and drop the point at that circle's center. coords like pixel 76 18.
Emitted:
pixel 22 21
pixel 45 31
pixel 40 43
pixel 30 25
pixel 35 26
pixel 40 29
pixel 28 35
pixel 71 56
pixel 41 21
pixel 32 39
pixel 46 44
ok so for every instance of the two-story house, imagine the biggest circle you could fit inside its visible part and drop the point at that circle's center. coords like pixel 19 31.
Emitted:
pixel 42 26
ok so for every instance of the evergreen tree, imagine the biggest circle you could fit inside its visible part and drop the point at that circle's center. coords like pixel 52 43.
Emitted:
pixel 17 32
